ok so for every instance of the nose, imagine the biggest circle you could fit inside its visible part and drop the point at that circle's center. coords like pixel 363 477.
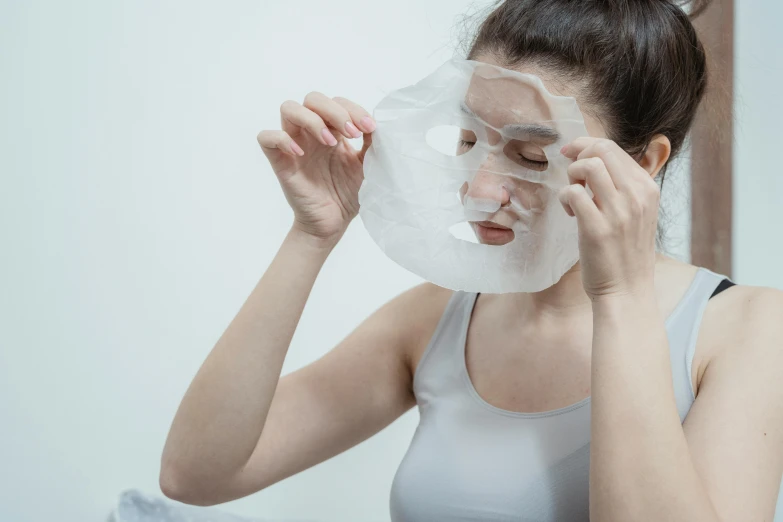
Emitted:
pixel 486 185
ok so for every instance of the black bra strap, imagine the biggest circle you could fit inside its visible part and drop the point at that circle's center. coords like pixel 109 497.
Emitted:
pixel 723 285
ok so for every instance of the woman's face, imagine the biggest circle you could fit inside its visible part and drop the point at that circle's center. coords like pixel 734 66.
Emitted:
pixel 520 200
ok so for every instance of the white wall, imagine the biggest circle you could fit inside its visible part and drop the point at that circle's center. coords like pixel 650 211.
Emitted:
pixel 758 175
pixel 137 212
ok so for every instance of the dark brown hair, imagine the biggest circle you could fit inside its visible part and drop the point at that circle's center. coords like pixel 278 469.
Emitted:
pixel 640 62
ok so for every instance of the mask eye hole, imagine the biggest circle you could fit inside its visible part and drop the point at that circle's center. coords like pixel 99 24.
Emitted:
pixel 526 154
pixel 450 140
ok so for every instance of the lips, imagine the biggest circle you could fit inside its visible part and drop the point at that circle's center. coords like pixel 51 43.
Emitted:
pixel 491 224
pixel 490 233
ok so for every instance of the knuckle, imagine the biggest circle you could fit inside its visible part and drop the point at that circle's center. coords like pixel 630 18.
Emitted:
pixel 603 147
pixel 649 192
pixel 594 165
pixel 312 97
pixel 635 208
pixel 287 105
pixel 342 113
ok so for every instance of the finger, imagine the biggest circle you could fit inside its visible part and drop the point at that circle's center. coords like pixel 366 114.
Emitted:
pixel 365 146
pixel 295 117
pixel 332 113
pixel 573 149
pixel 577 202
pixel 563 197
pixel 360 117
pixel 619 164
pixel 280 140
pixel 592 171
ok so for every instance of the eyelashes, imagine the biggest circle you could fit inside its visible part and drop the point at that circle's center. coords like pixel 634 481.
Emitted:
pixel 533 164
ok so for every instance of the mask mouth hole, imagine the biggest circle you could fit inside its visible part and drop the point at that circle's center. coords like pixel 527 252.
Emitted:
pixel 464 232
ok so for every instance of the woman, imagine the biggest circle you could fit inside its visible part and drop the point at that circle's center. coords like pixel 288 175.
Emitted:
pixel 563 404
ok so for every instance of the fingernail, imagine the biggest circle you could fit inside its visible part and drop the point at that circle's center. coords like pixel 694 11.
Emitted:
pixel 328 137
pixel 367 124
pixel 351 129
pixel 296 148
pixel 563 149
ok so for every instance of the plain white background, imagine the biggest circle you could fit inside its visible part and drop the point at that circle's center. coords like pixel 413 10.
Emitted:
pixel 137 212
pixel 758 132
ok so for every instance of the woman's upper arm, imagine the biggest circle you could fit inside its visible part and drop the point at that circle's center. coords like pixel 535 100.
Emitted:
pixel 352 392
pixel 735 426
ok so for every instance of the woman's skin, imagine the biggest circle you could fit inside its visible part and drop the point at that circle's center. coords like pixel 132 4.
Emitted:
pixel 599 331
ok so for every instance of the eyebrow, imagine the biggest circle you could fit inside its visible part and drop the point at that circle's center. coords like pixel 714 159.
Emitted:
pixel 522 130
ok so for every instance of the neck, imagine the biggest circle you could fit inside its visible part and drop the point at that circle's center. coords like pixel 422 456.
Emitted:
pixel 566 298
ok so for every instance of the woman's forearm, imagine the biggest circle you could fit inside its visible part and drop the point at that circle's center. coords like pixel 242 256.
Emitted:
pixel 640 465
pixel 220 419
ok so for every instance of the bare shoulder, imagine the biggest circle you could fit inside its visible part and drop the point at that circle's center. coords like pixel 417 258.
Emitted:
pixel 414 314
pixel 735 426
pixel 743 314
pixel 743 325
pixel 418 305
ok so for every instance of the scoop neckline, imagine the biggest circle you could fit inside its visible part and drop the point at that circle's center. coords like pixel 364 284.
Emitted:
pixel 557 411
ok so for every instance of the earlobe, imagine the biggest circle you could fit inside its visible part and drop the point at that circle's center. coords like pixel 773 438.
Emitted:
pixel 656 155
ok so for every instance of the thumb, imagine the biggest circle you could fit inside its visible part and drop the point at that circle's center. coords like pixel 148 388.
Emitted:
pixel 367 141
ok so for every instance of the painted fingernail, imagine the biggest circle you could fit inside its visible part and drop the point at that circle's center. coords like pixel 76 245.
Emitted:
pixel 328 137
pixel 367 124
pixel 296 149
pixel 351 129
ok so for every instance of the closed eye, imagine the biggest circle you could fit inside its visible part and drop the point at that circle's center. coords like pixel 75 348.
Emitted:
pixel 533 164
pixel 528 154
pixel 464 146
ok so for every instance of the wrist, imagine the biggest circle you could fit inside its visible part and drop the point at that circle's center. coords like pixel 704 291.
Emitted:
pixel 317 245
pixel 623 289
pixel 623 304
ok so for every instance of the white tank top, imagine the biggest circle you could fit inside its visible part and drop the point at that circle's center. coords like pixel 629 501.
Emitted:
pixel 469 460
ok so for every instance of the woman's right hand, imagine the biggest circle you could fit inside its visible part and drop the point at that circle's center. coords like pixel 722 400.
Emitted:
pixel 319 171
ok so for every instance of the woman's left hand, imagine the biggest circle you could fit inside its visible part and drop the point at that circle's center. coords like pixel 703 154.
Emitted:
pixel 617 226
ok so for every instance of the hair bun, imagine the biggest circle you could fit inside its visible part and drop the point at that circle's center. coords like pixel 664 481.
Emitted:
pixel 693 7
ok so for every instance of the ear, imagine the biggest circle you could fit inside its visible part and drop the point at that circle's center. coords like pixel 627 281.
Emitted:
pixel 656 155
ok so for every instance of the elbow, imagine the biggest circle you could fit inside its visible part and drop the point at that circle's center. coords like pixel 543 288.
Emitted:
pixel 181 487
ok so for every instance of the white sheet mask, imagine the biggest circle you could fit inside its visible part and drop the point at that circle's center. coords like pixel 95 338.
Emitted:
pixel 420 181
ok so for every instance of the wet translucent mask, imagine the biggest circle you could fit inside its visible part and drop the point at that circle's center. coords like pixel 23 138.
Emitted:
pixel 473 143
